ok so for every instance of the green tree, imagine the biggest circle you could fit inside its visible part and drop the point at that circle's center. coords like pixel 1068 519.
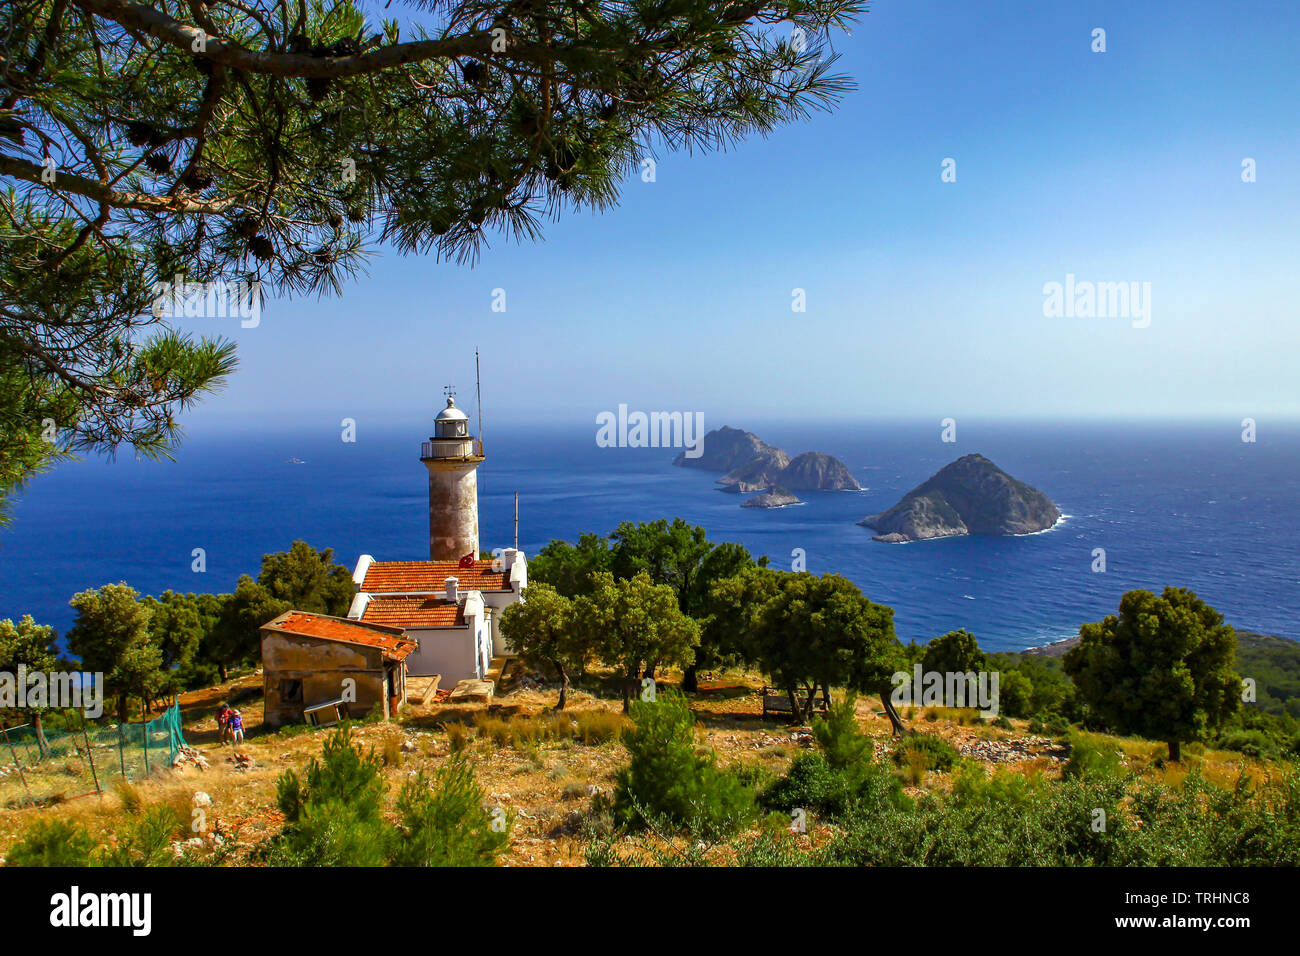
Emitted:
pixel 1162 668
pixel 568 567
pixel 111 636
pixel 956 652
pixel 542 632
pixel 277 143
pixel 177 627
pixel 809 633
pixel 671 553
pixel 681 556
pixel 308 580
pixel 30 645
pixel 635 623
pixel 236 637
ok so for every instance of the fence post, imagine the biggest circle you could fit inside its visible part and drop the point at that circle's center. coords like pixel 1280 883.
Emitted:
pixel 90 755
pixel 17 763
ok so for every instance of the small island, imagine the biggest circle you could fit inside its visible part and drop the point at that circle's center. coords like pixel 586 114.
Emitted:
pixel 774 498
pixel 752 465
pixel 969 496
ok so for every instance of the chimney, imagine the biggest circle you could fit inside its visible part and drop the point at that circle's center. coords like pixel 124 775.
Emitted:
pixel 508 558
pixel 453 594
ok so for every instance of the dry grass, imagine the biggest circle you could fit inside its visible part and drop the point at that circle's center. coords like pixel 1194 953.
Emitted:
pixel 543 767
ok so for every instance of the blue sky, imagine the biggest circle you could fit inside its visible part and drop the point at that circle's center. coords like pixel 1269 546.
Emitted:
pixel 924 298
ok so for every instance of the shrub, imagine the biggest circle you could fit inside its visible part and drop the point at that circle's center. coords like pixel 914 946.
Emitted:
pixel 1088 758
pixel 932 753
pixel 147 842
pixel 811 784
pixel 839 738
pixel 444 823
pixel 52 843
pixel 1252 743
pixel 333 819
pixel 668 782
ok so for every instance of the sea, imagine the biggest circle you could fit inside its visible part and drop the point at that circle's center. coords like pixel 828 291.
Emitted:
pixel 1145 505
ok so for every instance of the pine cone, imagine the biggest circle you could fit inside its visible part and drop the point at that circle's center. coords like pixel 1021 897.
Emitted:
pixel 261 247
pixel 137 133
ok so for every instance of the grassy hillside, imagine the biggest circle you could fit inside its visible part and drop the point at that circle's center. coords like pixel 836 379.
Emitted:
pixel 554 777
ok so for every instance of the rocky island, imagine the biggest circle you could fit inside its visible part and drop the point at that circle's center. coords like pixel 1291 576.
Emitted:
pixel 775 498
pixel 757 474
pixel 751 465
pixel 726 448
pixel 970 496
pixel 813 471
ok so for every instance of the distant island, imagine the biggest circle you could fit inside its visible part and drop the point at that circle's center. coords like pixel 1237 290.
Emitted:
pixel 775 498
pixel 970 496
pixel 752 465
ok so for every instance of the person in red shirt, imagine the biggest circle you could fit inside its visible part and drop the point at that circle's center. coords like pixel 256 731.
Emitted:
pixel 223 720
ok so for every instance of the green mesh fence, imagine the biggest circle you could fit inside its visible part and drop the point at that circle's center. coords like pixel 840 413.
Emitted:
pixel 62 766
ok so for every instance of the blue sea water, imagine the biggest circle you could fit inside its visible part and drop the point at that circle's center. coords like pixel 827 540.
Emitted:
pixel 1187 505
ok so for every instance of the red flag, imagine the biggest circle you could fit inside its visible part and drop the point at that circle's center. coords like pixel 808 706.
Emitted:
pixel 467 561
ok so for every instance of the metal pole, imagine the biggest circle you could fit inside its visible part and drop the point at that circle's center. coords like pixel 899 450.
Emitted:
pixel 478 389
pixel 17 763
pixel 90 756
pixel 516 521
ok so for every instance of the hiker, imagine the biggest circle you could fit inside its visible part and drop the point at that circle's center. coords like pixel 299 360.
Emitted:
pixel 236 725
pixel 223 720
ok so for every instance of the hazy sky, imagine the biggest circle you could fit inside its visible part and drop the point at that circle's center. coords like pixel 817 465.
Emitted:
pixel 924 298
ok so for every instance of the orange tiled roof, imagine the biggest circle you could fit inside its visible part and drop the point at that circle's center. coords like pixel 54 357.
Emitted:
pixel 392 640
pixel 397 577
pixel 414 612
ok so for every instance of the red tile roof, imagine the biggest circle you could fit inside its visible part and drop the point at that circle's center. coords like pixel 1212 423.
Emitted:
pixel 414 612
pixel 391 640
pixel 397 577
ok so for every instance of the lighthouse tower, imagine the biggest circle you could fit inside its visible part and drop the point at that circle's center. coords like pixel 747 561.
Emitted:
pixel 452 456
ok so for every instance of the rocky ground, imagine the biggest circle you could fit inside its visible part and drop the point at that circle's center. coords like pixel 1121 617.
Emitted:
pixel 547 785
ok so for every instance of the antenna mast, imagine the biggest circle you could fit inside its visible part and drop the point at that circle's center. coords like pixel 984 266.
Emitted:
pixel 478 389
pixel 516 521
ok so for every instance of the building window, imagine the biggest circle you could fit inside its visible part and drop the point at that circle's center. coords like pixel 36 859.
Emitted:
pixel 291 691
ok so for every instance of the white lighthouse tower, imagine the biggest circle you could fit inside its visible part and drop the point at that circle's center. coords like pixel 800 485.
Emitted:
pixel 452 456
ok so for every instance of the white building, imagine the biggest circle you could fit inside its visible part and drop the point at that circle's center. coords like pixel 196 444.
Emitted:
pixel 450 604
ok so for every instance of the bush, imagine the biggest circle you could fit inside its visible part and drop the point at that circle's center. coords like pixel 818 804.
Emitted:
pixel 1252 743
pixel 931 752
pixel 145 841
pixel 52 843
pixel 841 776
pixel 444 823
pixel 1091 759
pixel 839 738
pixel 333 818
pixel 667 782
